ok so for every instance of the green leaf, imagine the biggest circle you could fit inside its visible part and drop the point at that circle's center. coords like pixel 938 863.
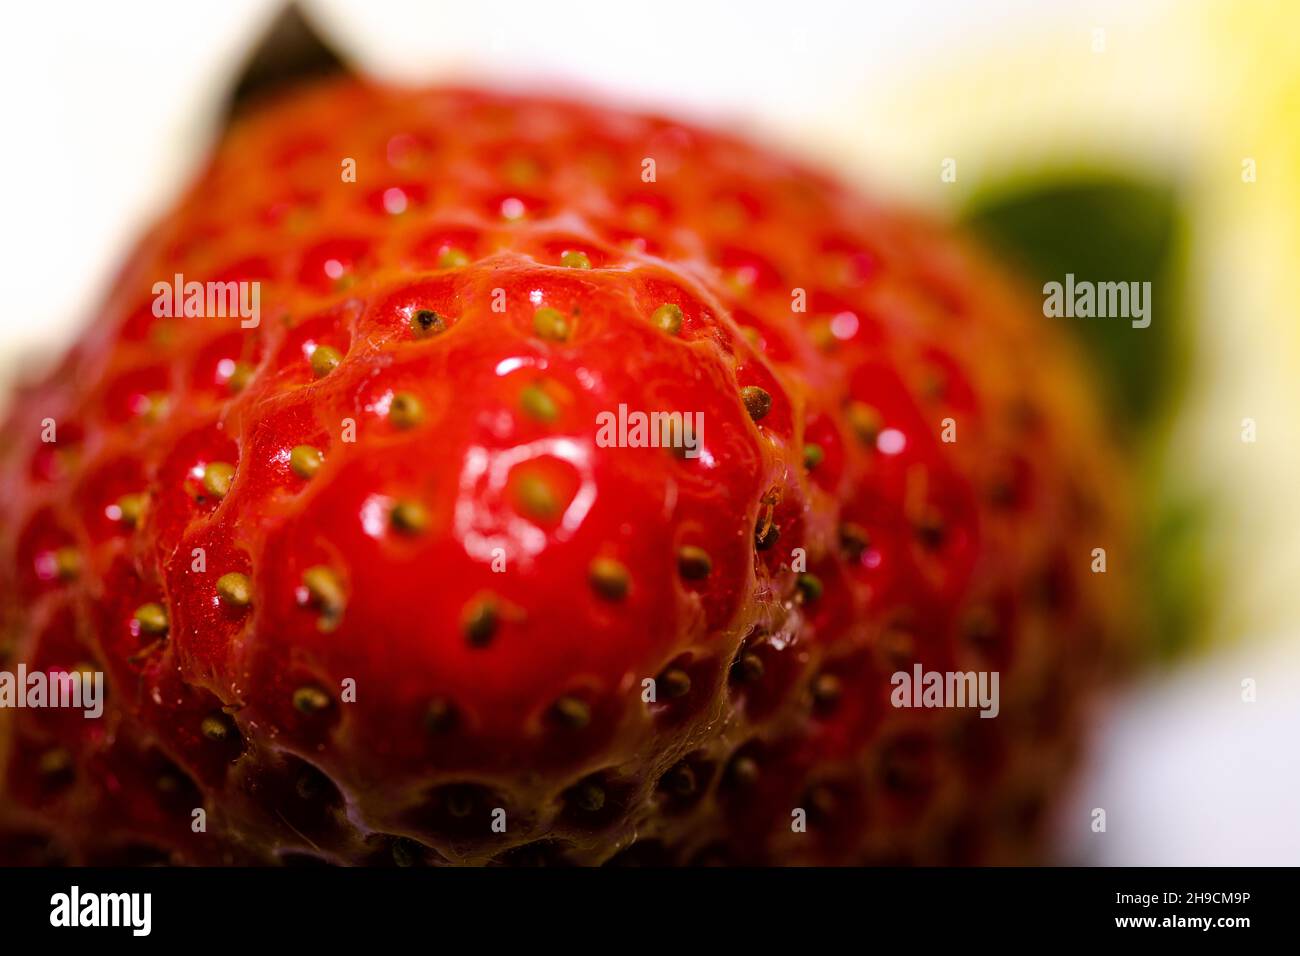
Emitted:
pixel 1108 227
pixel 1101 228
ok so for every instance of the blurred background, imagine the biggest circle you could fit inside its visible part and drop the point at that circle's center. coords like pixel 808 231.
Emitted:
pixel 1146 139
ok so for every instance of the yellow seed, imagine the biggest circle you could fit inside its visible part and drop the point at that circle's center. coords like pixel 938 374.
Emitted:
pixel 758 401
pixel 305 461
pixel 551 324
pixel 325 590
pixel 668 317
pixel 810 587
pixel 609 578
pixel 823 337
pixel 537 404
pixel 240 376
pixel 151 618
pixel 864 420
pixel 441 716
pixel 481 621
pixel 67 561
pixel 740 281
pixel 826 689
pixel 130 509
pixel 215 727
pixel 521 170
pixel 573 259
pixel 590 797
pixel 536 498
pixel 453 258
pixel 642 216
pixel 572 712
pixel 409 517
pixel 930 529
pixel 748 668
pixel 729 214
pixel 310 700
pixel 674 682
pixel 694 563
pixel 155 407
pixel 406 411
pixel 217 476
pixel 426 323
pixel 54 762
pixel 854 539
pixel 235 589
pixel 163 334
pixel 324 360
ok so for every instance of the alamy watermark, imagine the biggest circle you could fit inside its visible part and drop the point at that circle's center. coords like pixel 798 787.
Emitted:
pixel 1101 300
pixel 75 690
pixel 922 688
pixel 209 300
pixel 634 429
pixel 74 908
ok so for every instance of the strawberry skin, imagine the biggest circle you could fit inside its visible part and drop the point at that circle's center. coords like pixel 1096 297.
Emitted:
pixel 367 588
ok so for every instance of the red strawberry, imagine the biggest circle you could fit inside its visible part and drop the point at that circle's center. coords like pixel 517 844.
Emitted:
pixel 368 588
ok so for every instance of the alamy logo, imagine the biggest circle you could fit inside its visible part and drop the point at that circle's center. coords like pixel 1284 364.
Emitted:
pixel 922 688
pixel 209 300
pixel 75 690
pixel 1102 300
pixel 626 429
pixel 103 909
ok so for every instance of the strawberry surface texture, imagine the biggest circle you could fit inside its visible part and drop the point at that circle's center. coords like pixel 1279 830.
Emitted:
pixel 389 574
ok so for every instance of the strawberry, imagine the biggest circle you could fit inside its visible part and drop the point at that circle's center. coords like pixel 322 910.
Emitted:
pixel 388 572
